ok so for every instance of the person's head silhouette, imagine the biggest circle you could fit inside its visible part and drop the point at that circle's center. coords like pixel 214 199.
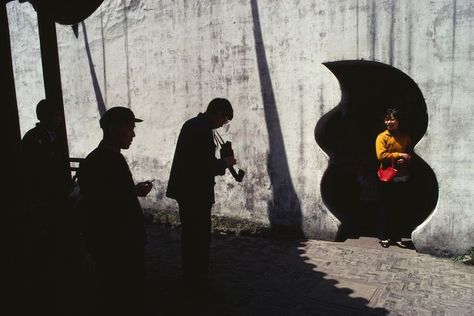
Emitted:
pixel 118 124
pixel 48 115
pixel 220 112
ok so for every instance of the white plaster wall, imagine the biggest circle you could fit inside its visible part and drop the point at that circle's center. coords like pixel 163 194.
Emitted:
pixel 167 59
pixel 26 61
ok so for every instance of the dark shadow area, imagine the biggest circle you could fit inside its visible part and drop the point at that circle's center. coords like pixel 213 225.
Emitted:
pixel 56 274
pixel 95 82
pixel 12 268
pixel 249 276
pixel 409 244
pixel 284 210
pixel 347 134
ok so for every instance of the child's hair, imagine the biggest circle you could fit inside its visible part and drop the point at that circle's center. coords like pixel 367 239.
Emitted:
pixel 392 112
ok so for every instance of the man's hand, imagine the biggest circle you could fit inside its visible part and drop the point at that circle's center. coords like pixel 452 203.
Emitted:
pixel 143 188
pixel 230 161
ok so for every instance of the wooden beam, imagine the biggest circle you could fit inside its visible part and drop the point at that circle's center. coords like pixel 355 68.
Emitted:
pixel 52 75
pixel 12 190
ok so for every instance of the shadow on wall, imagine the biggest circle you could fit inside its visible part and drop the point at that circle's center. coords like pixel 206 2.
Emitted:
pixel 98 94
pixel 347 134
pixel 284 211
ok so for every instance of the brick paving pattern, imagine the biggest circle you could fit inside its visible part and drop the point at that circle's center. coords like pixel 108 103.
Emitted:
pixel 259 276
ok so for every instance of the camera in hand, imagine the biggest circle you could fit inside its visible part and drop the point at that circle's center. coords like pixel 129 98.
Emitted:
pixel 226 151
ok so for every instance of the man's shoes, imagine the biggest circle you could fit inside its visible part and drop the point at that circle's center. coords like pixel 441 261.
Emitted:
pixel 384 243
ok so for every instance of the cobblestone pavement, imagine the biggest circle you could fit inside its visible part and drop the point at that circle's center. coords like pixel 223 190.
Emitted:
pixel 258 276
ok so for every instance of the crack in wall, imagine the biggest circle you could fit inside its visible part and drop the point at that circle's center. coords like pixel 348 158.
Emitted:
pixel 104 71
pixel 127 58
pixel 392 35
pixel 453 48
pixel 372 30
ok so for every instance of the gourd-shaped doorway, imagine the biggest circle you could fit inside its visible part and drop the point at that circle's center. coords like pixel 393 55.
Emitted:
pixel 347 133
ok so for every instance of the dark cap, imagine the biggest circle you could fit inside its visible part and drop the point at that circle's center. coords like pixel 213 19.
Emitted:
pixel 118 114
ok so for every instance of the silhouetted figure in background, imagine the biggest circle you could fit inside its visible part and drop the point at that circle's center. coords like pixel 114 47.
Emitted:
pixel 45 202
pixel 115 233
pixel 191 184
pixel 42 165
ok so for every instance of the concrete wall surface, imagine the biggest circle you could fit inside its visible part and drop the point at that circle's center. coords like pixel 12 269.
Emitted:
pixel 167 59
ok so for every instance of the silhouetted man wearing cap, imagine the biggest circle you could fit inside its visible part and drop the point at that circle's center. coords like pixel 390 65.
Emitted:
pixel 191 184
pixel 115 233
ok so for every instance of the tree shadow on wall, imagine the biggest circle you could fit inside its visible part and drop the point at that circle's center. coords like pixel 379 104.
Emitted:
pixel 95 82
pixel 284 210
pixel 347 134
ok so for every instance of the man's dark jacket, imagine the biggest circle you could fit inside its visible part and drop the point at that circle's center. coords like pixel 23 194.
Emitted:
pixel 195 164
pixel 42 165
pixel 114 218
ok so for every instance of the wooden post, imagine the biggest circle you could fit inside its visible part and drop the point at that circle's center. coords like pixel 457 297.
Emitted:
pixel 52 74
pixel 11 208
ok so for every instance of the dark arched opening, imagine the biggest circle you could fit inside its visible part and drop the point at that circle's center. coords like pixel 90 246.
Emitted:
pixel 347 134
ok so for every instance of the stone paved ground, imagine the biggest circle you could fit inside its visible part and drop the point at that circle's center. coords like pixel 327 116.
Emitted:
pixel 258 276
